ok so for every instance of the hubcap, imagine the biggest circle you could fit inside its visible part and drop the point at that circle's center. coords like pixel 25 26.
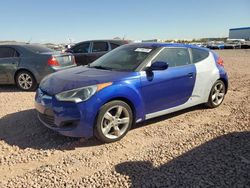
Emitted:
pixel 25 81
pixel 218 94
pixel 115 122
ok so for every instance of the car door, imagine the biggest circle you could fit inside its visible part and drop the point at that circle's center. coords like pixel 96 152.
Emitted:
pixel 82 53
pixel 9 61
pixel 99 48
pixel 172 87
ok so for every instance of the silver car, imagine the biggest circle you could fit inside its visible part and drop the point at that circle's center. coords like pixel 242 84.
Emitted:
pixel 26 64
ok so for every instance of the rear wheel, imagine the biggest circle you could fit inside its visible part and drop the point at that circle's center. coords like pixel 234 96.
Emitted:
pixel 217 94
pixel 114 121
pixel 26 81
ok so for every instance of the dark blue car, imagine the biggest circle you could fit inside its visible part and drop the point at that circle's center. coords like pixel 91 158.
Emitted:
pixel 128 85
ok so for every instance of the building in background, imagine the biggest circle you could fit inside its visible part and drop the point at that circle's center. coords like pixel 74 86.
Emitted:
pixel 240 33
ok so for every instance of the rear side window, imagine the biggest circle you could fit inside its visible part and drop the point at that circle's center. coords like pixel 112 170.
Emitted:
pixel 100 47
pixel 113 46
pixel 199 54
pixel 174 56
pixel 6 52
pixel 81 48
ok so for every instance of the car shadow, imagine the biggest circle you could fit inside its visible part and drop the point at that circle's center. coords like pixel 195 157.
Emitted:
pixel 9 88
pixel 24 130
pixel 221 162
pixel 169 116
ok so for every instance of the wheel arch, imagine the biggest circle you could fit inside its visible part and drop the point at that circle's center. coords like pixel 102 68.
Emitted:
pixel 24 69
pixel 122 99
pixel 127 101
pixel 225 82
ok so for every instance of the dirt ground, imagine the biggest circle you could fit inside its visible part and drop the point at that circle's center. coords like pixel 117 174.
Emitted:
pixel 197 147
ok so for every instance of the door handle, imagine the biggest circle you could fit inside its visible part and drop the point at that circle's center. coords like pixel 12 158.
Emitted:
pixel 190 75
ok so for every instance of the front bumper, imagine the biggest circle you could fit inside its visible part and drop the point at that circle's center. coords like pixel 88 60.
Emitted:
pixel 66 118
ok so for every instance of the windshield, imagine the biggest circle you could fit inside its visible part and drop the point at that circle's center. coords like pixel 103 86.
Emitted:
pixel 38 48
pixel 125 58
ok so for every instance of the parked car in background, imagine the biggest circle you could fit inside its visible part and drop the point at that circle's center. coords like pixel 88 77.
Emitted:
pixel 233 44
pixel 27 64
pixel 245 45
pixel 130 84
pixel 88 51
pixel 214 45
pixel 197 44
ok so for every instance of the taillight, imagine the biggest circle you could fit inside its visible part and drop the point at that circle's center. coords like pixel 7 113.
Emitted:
pixel 220 62
pixel 53 62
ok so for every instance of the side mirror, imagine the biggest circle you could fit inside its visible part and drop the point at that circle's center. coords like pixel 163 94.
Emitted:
pixel 159 65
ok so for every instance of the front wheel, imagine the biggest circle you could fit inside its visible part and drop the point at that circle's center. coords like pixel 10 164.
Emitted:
pixel 114 121
pixel 217 94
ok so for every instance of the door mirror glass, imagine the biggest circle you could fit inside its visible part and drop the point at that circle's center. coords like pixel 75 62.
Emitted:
pixel 159 65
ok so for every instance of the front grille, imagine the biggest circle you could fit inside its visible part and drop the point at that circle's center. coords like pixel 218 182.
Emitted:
pixel 47 119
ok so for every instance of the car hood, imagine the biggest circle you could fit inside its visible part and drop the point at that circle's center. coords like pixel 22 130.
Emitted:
pixel 80 77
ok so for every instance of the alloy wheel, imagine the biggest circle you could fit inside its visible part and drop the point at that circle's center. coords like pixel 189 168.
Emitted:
pixel 115 122
pixel 218 93
pixel 25 81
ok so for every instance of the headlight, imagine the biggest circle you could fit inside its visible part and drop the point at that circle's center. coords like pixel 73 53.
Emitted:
pixel 77 95
pixel 80 94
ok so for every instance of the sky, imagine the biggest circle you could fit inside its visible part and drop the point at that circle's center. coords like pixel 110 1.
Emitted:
pixel 58 21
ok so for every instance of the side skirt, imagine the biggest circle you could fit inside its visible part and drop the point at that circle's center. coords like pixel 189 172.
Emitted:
pixel 188 104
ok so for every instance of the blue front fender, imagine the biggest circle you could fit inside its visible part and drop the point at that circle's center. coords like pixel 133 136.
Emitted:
pixel 120 90
pixel 127 90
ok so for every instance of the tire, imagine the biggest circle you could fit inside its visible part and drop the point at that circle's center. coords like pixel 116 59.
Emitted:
pixel 217 94
pixel 114 120
pixel 26 81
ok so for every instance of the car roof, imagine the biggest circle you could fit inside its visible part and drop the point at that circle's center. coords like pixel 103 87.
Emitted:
pixel 119 41
pixel 11 44
pixel 159 44
pixel 106 40
pixel 19 44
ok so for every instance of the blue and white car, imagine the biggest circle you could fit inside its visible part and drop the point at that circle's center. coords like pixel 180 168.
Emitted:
pixel 130 84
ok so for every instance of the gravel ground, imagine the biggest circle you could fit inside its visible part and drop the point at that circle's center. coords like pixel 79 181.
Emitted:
pixel 197 147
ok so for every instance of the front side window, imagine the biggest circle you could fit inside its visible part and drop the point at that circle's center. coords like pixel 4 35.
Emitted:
pixel 125 58
pixel 174 56
pixel 199 54
pixel 100 47
pixel 7 52
pixel 81 48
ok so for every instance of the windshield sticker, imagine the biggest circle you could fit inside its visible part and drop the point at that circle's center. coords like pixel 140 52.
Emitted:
pixel 145 50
